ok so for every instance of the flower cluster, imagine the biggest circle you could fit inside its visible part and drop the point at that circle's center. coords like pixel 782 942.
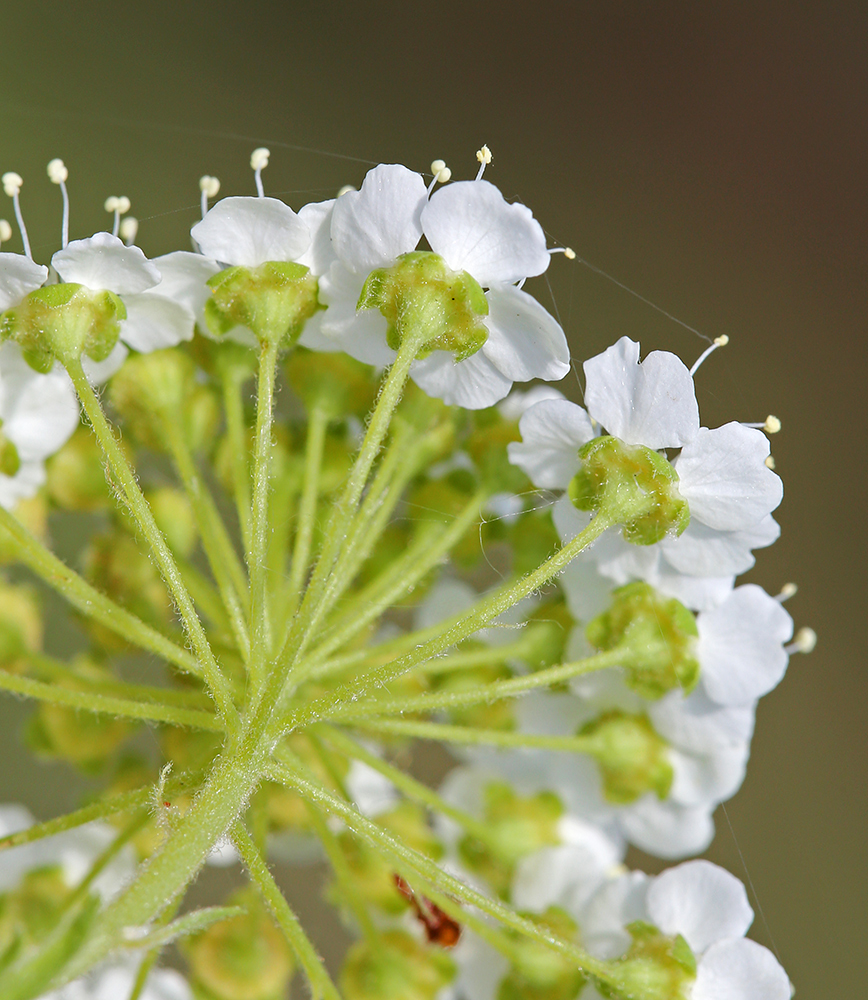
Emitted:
pixel 407 549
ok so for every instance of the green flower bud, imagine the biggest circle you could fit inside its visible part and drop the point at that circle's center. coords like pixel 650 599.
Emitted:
pixel 487 447
pixel 85 739
pixel 33 514
pixel 336 382
pixel 10 461
pixel 175 518
pixel 373 875
pixel 655 968
pixel 631 755
pixel 76 474
pixel 116 564
pixel 30 910
pixel 63 322
pixel 242 958
pixel 156 391
pixel 20 625
pixel 397 967
pixel 273 301
pixel 635 486
pixel 498 715
pixel 420 294
pixel 539 972
pixel 517 826
pixel 658 637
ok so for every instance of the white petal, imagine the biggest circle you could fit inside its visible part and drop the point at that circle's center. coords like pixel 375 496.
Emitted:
pixel 18 277
pixel 724 479
pixel 24 484
pixel 154 322
pixel 587 591
pixel 618 903
pixel 100 371
pixel 370 792
pixel 524 340
pixel 314 339
pixel 650 403
pixel 361 334
pixel 695 592
pixel 552 432
pixel 704 551
pixel 184 280
pixel 39 412
pixel 320 255
pixel 223 854
pixel 474 229
pixel 698 724
pixel 375 225
pixel 740 646
pixel 519 401
pixel 740 970
pixel 708 778
pixel 565 875
pixel 568 520
pixel 667 829
pixel 701 902
pixel 250 231
pixel 473 383
pixel 105 262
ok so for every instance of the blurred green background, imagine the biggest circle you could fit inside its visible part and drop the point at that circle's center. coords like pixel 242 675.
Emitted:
pixel 712 157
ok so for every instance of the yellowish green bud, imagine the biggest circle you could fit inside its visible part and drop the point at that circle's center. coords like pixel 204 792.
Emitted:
pixel 116 564
pixel 516 826
pixel 658 637
pixel 20 625
pixel 420 294
pixel 175 518
pixel 243 958
pixel 634 486
pixel 76 474
pixel 397 967
pixel 655 968
pixel 632 757
pixel 33 514
pixel 541 973
pixel 157 393
pixel 273 301
pixel 10 461
pixel 336 383
pixel 63 322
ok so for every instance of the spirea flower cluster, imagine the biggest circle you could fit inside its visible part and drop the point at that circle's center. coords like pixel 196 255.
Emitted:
pixel 333 530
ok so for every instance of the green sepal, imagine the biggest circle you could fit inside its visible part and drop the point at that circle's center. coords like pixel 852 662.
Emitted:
pixel 657 635
pixel 656 967
pixel 273 301
pixel 63 322
pixel 539 972
pixel 10 460
pixel 635 486
pixel 420 294
pixel 632 756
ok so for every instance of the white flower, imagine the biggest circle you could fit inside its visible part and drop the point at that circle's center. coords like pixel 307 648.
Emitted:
pixel 116 981
pixel 472 228
pixel 251 231
pixel 722 474
pixel 38 414
pixel 19 276
pixel 708 907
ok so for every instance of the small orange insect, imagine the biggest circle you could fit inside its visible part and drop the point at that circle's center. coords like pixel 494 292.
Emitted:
pixel 440 928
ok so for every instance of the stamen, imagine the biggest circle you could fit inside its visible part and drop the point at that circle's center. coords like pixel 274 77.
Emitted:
pixel 345 190
pixel 769 463
pixel 568 252
pixel 720 341
pixel 787 591
pixel 129 229
pixel 258 162
pixel 119 204
pixel 441 172
pixel 209 186
pixel 484 156
pixel 771 424
pixel 57 174
pixel 804 641
pixel 5 232
pixel 12 185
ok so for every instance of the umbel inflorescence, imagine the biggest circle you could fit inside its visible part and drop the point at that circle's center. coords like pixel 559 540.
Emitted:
pixel 326 528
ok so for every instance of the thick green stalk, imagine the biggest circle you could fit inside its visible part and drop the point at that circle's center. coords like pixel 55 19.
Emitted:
pixel 140 510
pixel 257 560
pixel 233 405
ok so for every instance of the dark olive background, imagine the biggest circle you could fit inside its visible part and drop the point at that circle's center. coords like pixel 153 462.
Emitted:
pixel 713 157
